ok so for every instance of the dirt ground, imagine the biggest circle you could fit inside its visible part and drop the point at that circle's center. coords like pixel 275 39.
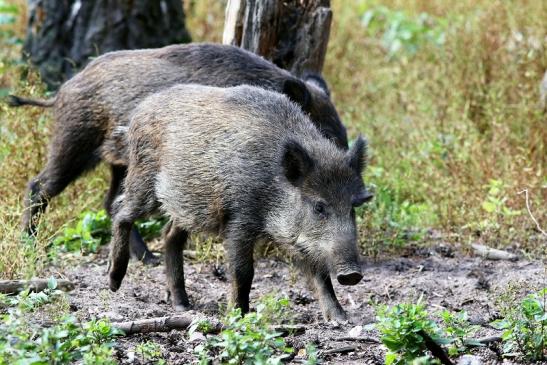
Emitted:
pixel 443 275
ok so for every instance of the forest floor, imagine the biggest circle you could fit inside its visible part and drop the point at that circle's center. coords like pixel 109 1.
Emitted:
pixel 445 278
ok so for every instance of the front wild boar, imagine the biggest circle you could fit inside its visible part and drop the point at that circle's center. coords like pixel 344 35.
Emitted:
pixel 247 164
pixel 89 107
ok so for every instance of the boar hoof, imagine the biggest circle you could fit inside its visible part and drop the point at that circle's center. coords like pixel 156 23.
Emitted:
pixel 115 282
pixel 335 314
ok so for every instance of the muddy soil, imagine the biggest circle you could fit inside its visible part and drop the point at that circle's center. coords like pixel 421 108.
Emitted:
pixel 443 276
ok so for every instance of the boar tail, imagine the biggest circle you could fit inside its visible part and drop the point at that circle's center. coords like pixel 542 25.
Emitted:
pixel 15 101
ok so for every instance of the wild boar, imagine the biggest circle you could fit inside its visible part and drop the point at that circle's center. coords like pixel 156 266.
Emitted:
pixel 246 164
pixel 89 107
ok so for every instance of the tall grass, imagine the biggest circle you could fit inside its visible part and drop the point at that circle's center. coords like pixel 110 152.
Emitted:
pixel 452 117
pixel 449 121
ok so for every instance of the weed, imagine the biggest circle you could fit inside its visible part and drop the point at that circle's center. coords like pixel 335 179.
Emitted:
pixel 495 204
pixel 91 231
pixel 28 301
pixel 247 339
pixel 459 331
pixel 401 326
pixel 525 327
pixel 312 354
pixel 151 228
pixel 150 352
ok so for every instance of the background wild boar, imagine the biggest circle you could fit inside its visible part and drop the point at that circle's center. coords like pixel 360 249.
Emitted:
pixel 90 106
pixel 247 164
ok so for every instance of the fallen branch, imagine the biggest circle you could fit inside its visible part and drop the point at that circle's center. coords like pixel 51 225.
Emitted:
pixel 493 253
pixel 435 349
pixel 183 322
pixel 163 324
pixel 34 285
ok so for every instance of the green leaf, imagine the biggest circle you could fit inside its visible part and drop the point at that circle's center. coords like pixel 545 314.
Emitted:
pixel 52 283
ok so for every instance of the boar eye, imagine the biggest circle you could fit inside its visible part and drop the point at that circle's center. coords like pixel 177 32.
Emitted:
pixel 320 209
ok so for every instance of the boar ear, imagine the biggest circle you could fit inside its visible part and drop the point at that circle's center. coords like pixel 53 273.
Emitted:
pixel 364 196
pixel 357 155
pixel 317 80
pixel 296 163
pixel 297 91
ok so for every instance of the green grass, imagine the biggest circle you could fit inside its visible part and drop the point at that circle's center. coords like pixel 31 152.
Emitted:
pixel 447 94
pixel 449 104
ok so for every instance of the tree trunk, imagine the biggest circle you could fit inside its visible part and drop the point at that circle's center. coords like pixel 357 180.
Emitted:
pixel 293 34
pixel 63 35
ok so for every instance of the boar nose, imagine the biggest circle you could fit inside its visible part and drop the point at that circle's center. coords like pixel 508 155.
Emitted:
pixel 350 277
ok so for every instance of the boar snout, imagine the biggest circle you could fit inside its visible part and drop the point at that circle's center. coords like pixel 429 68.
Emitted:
pixel 349 277
pixel 348 270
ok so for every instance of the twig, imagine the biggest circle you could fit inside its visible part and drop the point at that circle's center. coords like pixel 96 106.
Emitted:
pixel 34 285
pixel 435 349
pixel 483 341
pixel 289 329
pixel 356 339
pixel 340 350
pixel 525 191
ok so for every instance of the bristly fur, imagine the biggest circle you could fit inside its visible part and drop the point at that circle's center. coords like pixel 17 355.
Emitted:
pixel 247 164
pixel 90 107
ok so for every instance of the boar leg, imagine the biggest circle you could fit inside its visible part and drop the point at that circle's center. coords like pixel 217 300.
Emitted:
pixel 66 161
pixel 119 246
pixel 175 240
pixel 331 308
pixel 136 202
pixel 240 260
pixel 138 247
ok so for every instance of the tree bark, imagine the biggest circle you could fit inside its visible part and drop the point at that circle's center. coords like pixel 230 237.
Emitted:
pixel 63 35
pixel 293 34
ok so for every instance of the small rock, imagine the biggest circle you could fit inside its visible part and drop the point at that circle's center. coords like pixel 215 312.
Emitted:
pixel 113 316
pixel 130 357
pixel 355 331
pixel 196 337
pixel 469 360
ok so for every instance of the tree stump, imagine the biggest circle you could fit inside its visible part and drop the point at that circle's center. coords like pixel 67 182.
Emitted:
pixel 63 35
pixel 293 34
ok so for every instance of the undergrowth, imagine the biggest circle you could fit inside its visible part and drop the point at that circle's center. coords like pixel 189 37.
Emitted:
pixel 25 341
pixel 405 327
pixel 248 339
